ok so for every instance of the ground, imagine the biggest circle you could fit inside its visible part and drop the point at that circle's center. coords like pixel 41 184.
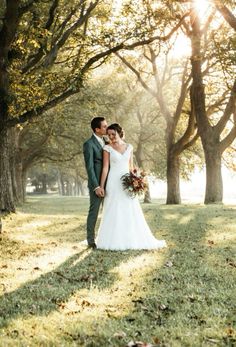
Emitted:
pixel 56 292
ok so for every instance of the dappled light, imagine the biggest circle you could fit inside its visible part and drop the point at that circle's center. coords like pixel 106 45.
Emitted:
pixel 57 291
pixel 117 132
pixel 203 8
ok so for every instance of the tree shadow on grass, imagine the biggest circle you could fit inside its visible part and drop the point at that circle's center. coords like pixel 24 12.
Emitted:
pixel 191 299
pixel 70 235
pixel 44 295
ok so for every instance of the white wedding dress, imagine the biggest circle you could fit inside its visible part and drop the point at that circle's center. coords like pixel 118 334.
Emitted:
pixel 123 225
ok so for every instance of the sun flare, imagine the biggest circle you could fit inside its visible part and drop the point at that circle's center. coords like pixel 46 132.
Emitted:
pixel 202 7
pixel 181 47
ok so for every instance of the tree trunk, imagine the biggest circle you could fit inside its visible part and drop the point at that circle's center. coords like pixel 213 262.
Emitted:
pixel 12 160
pixel 214 182
pixel 210 137
pixel 61 187
pixel 16 165
pixel 23 183
pixel 76 187
pixel 147 197
pixel 173 187
pixel 69 188
pixel 6 192
pixel 44 184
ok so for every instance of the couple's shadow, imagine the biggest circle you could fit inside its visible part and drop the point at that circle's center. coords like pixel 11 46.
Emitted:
pixel 45 294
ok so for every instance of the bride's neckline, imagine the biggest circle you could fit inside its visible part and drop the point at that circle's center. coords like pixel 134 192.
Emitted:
pixel 126 147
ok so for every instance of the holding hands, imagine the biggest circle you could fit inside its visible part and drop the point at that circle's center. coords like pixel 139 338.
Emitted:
pixel 100 192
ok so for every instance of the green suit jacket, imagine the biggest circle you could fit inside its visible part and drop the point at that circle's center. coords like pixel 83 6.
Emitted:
pixel 93 161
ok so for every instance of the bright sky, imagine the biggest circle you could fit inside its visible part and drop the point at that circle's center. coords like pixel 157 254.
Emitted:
pixel 194 190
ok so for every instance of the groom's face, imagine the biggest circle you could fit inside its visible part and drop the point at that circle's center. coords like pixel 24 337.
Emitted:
pixel 103 129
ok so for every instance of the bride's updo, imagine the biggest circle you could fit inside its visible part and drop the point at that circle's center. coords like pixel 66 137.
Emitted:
pixel 117 128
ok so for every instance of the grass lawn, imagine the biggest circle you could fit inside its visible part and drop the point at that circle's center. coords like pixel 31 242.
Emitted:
pixel 55 292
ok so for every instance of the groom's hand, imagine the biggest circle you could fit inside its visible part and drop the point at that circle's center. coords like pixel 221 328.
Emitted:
pixel 99 192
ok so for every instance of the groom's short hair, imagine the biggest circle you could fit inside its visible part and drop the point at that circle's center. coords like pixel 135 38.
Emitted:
pixel 96 122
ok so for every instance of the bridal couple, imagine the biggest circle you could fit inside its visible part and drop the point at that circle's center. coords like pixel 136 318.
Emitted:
pixel 123 225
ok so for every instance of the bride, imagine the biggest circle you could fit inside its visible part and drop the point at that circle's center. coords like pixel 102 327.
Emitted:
pixel 123 225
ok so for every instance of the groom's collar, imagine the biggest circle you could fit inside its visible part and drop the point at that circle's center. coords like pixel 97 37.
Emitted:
pixel 100 139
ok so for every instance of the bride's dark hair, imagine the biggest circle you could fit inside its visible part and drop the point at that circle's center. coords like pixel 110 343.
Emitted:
pixel 117 128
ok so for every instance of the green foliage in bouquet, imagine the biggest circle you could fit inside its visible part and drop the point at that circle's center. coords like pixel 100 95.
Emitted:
pixel 134 182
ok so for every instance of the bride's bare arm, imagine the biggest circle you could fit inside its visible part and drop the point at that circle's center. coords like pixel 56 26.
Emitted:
pixel 105 168
pixel 131 162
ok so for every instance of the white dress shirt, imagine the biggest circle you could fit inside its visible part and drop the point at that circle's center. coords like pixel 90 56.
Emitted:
pixel 100 140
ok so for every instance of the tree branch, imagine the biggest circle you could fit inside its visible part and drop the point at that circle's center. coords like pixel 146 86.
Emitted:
pixel 226 13
pixel 229 109
pixel 137 74
pixel 183 92
pixel 52 54
pixel 37 111
pixel 191 142
pixel 8 31
pixel 34 59
pixel 226 142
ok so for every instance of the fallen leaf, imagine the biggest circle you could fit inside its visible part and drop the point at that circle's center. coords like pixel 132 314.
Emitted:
pixel 156 340
pixel 137 301
pixel 130 319
pixel 85 303
pixel 168 263
pixel 71 313
pixel 230 331
pixel 120 335
pixel 138 344
pixel 230 262
pixel 163 307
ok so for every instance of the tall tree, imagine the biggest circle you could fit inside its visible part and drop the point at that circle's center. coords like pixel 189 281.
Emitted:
pixel 176 142
pixel 212 136
pixel 46 50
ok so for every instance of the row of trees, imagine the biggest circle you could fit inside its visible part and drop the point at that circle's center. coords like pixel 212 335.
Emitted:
pixel 48 53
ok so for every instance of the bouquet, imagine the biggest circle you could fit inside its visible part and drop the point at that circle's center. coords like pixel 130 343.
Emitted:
pixel 134 183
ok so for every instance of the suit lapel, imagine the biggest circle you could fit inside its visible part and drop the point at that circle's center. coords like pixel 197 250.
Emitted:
pixel 95 141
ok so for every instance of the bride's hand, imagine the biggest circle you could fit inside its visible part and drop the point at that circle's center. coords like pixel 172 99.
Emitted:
pixel 133 170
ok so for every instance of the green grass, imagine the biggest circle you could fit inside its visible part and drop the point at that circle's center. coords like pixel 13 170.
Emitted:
pixel 55 292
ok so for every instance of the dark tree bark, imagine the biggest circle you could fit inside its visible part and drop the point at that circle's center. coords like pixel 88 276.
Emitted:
pixel 44 184
pixel 12 161
pixel 7 202
pixel 226 13
pixel 15 158
pixel 7 35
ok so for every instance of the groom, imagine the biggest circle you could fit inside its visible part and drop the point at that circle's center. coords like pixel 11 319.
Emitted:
pixel 92 149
